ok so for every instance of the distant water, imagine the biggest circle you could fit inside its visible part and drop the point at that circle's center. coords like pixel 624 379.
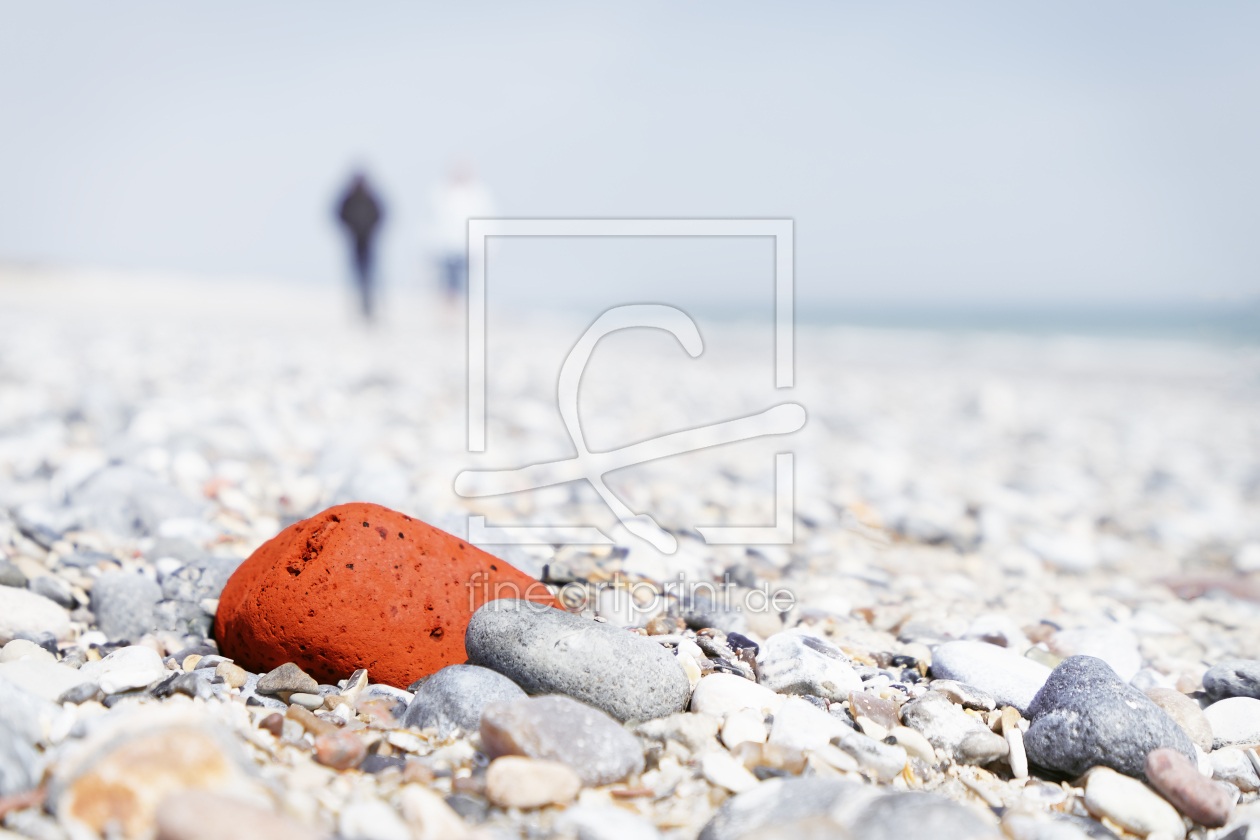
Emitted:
pixel 1227 323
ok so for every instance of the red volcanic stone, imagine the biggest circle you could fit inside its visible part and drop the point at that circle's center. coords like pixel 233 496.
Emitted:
pixel 361 586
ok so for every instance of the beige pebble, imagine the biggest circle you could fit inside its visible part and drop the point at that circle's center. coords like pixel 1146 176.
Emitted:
pixel 190 662
pixel 339 750
pixel 515 782
pixel 232 674
pixel 309 722
pixel 199 815
pixel 1130 804
pixel 429 816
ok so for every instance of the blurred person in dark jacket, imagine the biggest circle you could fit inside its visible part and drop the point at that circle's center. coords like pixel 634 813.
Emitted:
pixel 360 213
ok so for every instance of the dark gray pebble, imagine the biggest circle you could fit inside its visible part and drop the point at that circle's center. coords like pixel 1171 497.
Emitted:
pixel 1233 678
pixel 455 696
pixel 124 604
pixel 1085 715
pixel 377 763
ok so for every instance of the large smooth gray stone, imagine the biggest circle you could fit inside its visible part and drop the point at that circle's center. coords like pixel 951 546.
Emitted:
pixel 550 651
pixel 454 697
pixel 1085 715
pixel 123 604
pixel 1013 680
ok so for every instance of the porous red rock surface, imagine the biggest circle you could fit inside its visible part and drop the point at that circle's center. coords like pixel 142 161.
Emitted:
pixel 361 586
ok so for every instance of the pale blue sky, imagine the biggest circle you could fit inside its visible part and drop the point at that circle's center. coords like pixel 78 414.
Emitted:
pixel 965 151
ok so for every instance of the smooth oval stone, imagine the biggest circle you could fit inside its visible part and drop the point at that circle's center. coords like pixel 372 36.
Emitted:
pixel 1186 712
pixel 455 696
pixel 1193 794
pixel 1011 679
pixel 793 662
pixel 1235 722
pixel 1085 716
pixel 549 651
pixel 21 609
pixel 1233 678
pixel 1130 804
pixel 561 729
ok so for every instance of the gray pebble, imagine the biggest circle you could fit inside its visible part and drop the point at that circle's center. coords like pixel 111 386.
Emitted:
pixel 793 662
pixel 11 575
pixel 1233 678
pixel 550 651
pixel 287 679
pixel 54 589
pixel 558 728
pixel 947 727
pixel 1012 680
pixel 1085 715
pixel 124 603
pixel 453 698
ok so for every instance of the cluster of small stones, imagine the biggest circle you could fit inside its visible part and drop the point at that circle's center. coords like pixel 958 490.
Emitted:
pixel 1024 596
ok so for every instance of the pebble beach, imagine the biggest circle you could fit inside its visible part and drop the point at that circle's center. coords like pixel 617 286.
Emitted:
pixel 1022 598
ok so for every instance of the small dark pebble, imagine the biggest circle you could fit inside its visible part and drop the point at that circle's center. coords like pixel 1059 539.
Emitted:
pixel 738 642
pixel 724 668
pixel 471 808
pixel 273 723
pixel 81 693
pixel 253 701
pixel 763 773
pixel 377 763
pixel 911 676
pixel 740 574
pixel 903 661
pixel 820 702
pixel 163 689
pixel 114 699
pixel 844 717
pixel 882 658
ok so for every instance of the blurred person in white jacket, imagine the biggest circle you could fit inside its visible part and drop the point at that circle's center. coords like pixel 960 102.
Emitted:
pixel 459 198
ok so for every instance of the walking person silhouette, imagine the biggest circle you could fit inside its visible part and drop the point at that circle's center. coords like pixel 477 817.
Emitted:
pixel 360 212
